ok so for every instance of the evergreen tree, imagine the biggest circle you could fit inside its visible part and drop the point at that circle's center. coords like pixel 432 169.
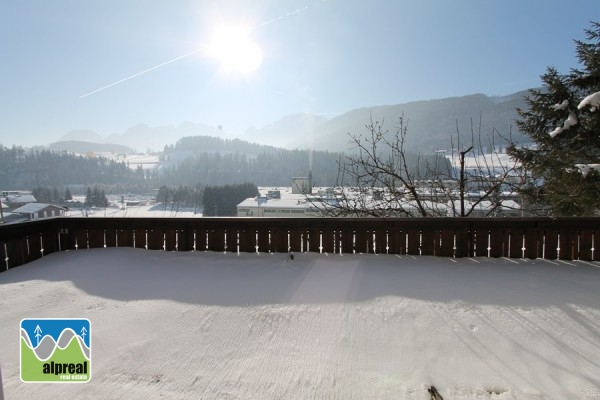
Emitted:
pixel 56 198
pixel 223 200
pixel 102 200
pixel 563 119
pixel 89 198
pixel 95 196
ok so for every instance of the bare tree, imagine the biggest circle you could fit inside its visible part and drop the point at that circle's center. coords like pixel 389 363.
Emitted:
pixel 485 180
pixel 381 178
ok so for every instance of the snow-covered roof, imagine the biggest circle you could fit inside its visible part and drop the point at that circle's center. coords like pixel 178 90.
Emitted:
pixel 287 203
pixel 491 160
pixel 288 199
pixel 21 199
pixel 12 218
pixel 34 208
pixel 368 201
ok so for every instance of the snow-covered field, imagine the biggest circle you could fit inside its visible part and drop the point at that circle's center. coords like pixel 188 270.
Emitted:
pixel 139 211
pixel 222 326
pixel 133 161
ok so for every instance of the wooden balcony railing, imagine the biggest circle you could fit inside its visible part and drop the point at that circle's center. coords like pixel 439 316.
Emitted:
pixel 559 238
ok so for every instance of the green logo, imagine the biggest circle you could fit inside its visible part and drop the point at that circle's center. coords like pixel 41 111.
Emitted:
pixel 56 350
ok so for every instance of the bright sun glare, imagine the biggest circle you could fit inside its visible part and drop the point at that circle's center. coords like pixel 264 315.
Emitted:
pixel 235 51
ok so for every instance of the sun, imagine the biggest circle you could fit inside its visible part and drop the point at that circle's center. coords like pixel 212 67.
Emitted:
pixel 234 49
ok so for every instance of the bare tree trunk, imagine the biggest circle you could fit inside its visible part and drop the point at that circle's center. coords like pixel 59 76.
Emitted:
pixel 462 180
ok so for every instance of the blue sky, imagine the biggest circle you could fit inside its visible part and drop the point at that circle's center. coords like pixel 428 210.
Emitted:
pixel 320 56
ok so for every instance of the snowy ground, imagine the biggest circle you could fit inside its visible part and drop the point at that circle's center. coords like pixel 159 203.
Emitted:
pixel 141 211
pixel 223 326
pixel 133 161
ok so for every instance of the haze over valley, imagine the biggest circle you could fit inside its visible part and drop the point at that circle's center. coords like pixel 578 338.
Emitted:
pixel 431 124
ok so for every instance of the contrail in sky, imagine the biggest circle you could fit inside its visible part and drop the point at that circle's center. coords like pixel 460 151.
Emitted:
pixel 185 55
pixel 140 73
pixel 281 17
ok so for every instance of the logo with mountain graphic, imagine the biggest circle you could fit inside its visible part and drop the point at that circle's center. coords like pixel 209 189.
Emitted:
pixel 56 350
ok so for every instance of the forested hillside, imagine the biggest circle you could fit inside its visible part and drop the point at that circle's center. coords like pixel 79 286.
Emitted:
pixel 266 169
pixel 200 144
pixel 192 161
pixel 431 123
pixel 22 169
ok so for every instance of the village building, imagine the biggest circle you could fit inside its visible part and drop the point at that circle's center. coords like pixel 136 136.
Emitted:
pixel 34 211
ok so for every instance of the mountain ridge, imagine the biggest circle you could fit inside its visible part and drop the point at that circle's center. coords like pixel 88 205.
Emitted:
pixel 431 125
pixel 85 147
